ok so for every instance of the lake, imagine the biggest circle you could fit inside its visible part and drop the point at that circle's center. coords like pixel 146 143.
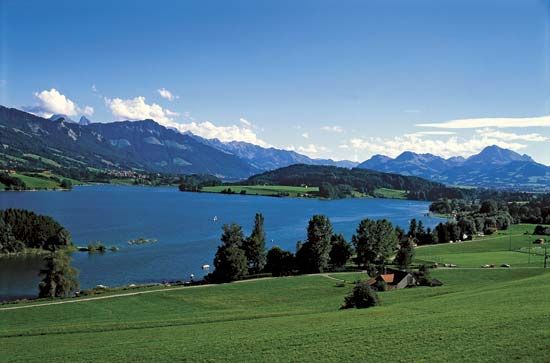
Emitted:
pixel 183 224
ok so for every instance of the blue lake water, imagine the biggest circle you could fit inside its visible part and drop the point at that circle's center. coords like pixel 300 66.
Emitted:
pixel 183 225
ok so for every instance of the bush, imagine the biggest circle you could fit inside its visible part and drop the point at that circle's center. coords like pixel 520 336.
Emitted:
pixel 381 285
pixel 362 296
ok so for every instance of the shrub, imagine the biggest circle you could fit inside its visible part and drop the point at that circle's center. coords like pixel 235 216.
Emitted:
pixel 362 296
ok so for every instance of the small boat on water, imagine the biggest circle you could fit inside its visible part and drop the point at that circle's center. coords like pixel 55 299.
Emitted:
pixel 215 219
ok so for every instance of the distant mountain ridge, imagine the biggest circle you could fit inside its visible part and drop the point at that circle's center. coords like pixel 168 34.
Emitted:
pixel 492 167
pixel 140 145
pixel 269 158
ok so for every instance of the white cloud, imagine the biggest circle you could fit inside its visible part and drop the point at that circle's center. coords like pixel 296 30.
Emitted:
pixel 137 109
pixel 431 133
pixel 451 146
pixel 88 111
pixel 305 135
pixel 509 136
pixel 498 122
pixel 164 93
pixel 335 128
pixel 52 101
pixel 208 130
pixel 245 122
pixel 312 149
pixel 94 88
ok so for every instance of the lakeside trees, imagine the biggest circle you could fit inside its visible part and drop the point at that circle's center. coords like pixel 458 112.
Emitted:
pixel 20 229
pixel 59 278
pixel 254 246
pixel 313 255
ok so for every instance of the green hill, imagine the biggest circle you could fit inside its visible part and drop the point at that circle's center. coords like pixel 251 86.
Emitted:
pixel 335 182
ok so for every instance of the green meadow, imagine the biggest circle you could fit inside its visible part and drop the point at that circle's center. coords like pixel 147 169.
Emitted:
pixel 484 315
pixel 267 190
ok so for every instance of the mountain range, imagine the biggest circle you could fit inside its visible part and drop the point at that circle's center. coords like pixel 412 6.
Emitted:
pixel 492 167
pixel 138 145
pixel 29 140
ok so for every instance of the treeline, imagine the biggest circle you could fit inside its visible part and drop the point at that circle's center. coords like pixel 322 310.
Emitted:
pixel 21 229
pixel 373 243
pixel 335 182
pixel 194 182
pixel 519 207
pixel 11 182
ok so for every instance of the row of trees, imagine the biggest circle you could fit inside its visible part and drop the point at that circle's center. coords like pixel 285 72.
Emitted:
pixel 373 243
pixel 20 229
pixel 518 207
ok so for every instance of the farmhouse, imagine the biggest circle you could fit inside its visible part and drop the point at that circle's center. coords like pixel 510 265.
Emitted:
pixel 395 279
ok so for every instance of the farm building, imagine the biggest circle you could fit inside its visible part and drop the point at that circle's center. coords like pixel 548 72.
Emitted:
pixel 539 241
pixel 395 279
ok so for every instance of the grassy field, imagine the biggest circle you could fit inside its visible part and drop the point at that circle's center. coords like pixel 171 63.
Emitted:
pixel 510 247
pixel 390 193
pixel 43 180
pixel 489 315
pixel 265 190
pixel 296 319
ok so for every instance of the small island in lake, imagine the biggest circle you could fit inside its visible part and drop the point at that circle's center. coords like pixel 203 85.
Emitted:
pixel 142 241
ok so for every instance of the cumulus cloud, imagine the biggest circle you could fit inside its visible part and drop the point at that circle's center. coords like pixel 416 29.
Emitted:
pixel 497 122
pixel 305 135
pixel 88 111
pixel 335 128
pixel 137 109
pixel 54 102
pixel 208 130
pixel 164 93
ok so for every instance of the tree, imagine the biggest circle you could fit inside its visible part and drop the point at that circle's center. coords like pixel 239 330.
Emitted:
pixel 59 278
pixel 374 241
pixel 340 251
pixel 254 246
pixel 413 228
pixel 362 296
pixel 230 264
pixel 279 262
pixel 66 184
pixel 313 256
pixel 488 206
pixel 230 260
pixel 232 235
pixel 405 254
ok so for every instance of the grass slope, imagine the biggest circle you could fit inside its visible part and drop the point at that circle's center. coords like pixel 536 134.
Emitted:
pixel 296 319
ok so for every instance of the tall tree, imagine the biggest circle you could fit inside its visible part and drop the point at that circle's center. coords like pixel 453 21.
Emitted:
pixel 374 242
pixel 340 251
pixel 405 254
pixel 59 278
pixel 254 246
pixel 313 256
pixel 230 260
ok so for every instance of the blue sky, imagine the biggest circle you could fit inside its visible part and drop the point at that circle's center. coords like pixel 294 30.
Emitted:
pixel 340 79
